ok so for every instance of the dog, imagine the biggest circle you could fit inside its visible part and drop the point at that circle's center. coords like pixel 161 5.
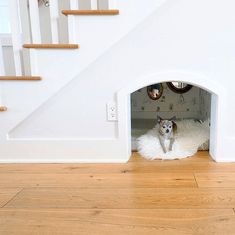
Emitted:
pixel 167 130
pixel 154 90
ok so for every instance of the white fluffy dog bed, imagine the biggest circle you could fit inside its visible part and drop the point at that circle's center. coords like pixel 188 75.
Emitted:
pixel 190 136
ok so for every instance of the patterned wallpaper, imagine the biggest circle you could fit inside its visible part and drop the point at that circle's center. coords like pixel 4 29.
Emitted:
pixel 193 104
pixel 205 104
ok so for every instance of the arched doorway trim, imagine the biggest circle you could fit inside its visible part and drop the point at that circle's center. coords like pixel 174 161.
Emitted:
pixel 196 79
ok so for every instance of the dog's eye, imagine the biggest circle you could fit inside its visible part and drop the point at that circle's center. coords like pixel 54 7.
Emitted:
pixel 170 126
pixel 164 126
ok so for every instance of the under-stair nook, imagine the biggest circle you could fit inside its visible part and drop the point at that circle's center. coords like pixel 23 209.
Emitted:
pixel 68 69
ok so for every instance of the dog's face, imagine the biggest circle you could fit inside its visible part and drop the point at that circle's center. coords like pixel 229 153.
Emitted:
pixel 165 126
pixel 155 93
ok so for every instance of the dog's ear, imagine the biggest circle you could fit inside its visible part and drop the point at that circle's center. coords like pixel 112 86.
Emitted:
pixel 159 119
pixel 173 118
pixel 174 127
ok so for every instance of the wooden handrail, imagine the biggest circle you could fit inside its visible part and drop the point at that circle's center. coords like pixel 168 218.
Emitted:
pixel 51 46
pixel 20 78
pixel 90 12
pixel 3 108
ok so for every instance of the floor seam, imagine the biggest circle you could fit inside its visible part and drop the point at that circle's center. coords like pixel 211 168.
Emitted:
pixel 195 180
pixel 3 206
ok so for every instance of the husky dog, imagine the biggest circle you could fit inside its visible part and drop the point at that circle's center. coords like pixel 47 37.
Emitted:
pixel 167 130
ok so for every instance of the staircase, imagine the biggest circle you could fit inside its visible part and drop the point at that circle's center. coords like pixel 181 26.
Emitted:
pixel 42 68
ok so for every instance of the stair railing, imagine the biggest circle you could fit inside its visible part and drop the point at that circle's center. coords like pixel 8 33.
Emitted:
pixel 26 28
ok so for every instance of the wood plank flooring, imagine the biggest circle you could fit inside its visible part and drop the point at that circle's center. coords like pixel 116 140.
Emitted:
pixel 189 196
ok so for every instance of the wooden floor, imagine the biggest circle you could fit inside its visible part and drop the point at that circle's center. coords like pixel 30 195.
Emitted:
pixel 190 196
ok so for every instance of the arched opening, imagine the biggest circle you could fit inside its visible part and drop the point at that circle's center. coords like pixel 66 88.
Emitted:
pixel 207 90
pixel 187 104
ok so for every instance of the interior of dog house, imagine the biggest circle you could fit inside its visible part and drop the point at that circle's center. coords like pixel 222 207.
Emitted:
pixel 186 105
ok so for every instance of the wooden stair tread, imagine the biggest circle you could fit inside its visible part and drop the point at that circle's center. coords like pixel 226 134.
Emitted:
pixel 20 78
pixel 90 12
pixel 51 46
pixel 3 108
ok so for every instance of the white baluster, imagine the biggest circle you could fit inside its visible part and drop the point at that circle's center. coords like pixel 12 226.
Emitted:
pixel 25 21
pixel 94 4
pixel 72 22
pixel 103 4
pixel 2 68
pixel 26 34
pixel 35 21
pixel 16 35
pixel 112 4
pixel 54 14
pixel 2 73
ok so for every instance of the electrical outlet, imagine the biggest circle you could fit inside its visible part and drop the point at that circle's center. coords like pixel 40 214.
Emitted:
pixel 111 111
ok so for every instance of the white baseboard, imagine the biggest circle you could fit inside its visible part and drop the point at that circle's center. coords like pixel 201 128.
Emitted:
pixel 63 151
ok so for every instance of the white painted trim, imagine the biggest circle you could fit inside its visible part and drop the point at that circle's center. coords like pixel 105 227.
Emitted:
pixel 74 4
pixel 16 35
pixel 25 21
pixel 72 22
pixel 26 34
pixel 200 80
pixel 58 139
pixel 35 21
pixel 80 159
pixel 54 16
pixel 62 151
pixel 94 4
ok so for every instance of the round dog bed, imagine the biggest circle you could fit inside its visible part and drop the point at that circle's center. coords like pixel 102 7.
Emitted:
pixel 190 136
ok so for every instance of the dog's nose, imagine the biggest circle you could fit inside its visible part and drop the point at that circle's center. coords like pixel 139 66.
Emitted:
pixel 167 131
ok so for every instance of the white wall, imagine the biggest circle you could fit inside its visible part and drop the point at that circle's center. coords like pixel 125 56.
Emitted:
pixel 183 35
pixel 114 70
